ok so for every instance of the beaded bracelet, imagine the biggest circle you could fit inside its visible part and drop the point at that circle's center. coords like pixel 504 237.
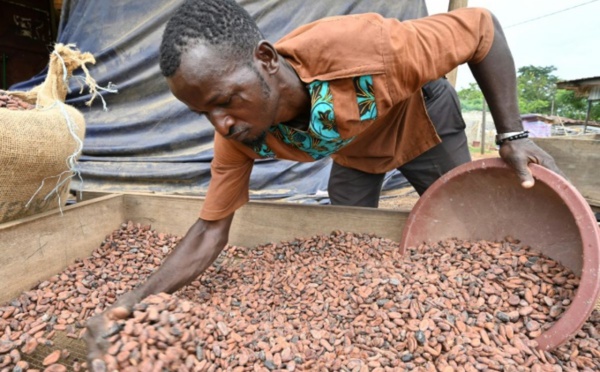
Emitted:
pixel 500 139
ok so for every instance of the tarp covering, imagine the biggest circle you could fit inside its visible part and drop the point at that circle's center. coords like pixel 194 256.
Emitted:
pixel 148 141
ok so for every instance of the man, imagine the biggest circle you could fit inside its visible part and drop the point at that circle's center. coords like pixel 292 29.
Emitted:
pixel 366 90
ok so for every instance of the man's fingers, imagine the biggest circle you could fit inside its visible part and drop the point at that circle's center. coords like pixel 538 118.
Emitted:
pixel 96 343
pixel 112 329
pixel 515 154
pixel 524 174
pixel 550 164
pixel 97 365
pixel 101 327
pixel 528 184
pixel 119 312
pixel 94 356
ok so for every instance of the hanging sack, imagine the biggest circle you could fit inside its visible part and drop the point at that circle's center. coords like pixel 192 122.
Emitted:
pixel 41 139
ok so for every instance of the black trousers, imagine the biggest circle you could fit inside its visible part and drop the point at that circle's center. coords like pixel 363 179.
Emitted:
pixel 352 187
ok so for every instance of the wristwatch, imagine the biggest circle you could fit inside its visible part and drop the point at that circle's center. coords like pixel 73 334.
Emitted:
pixel 510 136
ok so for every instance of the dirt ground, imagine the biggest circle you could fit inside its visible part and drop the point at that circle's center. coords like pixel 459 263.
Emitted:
pixel 401 199
pixel 406 197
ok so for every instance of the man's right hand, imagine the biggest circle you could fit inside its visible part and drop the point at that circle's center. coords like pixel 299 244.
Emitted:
pixel 102 326
pixel 198 249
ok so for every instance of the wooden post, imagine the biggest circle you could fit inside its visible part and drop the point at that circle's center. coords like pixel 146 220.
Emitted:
pixel 455 4
pixel 483 128
pixel 587 115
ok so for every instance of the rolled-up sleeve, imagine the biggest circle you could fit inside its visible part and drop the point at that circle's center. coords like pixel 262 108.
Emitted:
pixel 229 183
pixel 426 49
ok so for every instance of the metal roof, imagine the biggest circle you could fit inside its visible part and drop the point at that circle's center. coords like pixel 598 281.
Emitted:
pixel 584 87
pixel 594 93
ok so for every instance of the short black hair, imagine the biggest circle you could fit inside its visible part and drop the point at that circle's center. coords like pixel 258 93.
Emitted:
pixel 222 23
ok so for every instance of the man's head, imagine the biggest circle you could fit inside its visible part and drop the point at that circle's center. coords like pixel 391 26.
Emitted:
pixel 222 24
pixel 217 63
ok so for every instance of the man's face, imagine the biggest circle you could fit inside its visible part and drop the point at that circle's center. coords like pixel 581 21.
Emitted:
pixel 235 97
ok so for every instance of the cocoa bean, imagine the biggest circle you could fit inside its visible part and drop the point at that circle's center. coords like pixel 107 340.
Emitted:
pixel 14 103
pixel 52 358
pixel 55 368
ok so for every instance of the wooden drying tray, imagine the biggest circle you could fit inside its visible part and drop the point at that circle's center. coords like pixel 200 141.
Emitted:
pixel 34 248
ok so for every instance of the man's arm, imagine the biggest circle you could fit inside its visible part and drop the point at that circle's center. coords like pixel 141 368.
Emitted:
pixel 430 47
pixel 496 77
pixel 199 248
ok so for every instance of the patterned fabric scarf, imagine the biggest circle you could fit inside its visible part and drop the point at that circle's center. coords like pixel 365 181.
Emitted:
pixel 322 137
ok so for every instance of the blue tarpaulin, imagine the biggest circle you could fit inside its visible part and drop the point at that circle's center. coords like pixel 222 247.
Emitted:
pixel 148 141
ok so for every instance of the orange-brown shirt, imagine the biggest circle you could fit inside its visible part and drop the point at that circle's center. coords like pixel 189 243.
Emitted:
pixel 364 73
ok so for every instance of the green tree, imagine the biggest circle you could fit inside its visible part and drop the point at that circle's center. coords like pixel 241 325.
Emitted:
pixel 537 94
pixel 536 87
pixel 471 98
pixel 569 105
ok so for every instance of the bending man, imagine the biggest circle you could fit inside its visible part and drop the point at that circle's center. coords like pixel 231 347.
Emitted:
pixel 365 90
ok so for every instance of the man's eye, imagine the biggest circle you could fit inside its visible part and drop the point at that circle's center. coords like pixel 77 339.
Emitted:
pixel 226 103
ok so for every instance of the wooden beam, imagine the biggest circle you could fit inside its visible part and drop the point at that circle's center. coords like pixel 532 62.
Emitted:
pixel 452 5
pixel 455 4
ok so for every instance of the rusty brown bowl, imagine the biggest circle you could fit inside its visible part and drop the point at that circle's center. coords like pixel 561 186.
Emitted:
pixel 483 199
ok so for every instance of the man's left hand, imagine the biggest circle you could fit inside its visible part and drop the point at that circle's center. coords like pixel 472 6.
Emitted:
pixel 519 153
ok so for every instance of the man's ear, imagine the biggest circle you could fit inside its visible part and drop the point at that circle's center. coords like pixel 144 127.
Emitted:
pixel 267 56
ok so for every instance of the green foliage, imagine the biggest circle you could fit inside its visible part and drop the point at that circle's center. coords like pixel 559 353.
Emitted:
pixel 570 106
pixel 536 86
pixel 471 98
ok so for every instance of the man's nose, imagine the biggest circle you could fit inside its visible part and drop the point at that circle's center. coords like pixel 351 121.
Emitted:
pixel 222 122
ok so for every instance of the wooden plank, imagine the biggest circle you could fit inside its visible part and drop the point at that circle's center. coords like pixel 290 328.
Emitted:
pixel 165 213
pixel 89 195
pixel 579 158
pixel 452 5
pixel 262 222
pixel 34 248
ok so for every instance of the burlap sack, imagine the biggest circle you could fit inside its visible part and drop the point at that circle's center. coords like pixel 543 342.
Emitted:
pixel 39 147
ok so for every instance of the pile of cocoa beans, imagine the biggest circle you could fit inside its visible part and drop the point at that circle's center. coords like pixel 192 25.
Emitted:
pixel 13 103
pixel 338 302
